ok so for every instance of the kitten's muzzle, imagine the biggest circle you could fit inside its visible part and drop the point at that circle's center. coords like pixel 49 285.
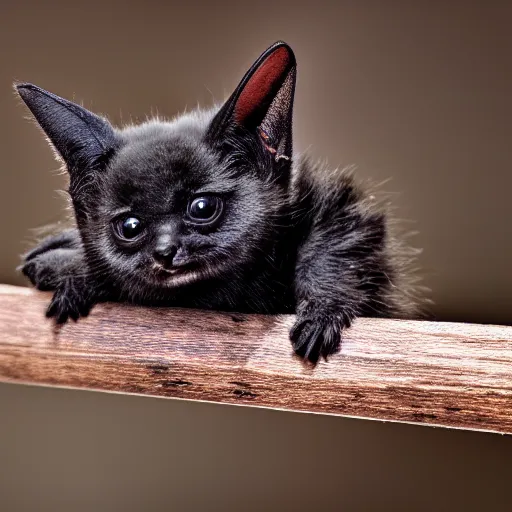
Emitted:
pixel 170 259
pixel 164 255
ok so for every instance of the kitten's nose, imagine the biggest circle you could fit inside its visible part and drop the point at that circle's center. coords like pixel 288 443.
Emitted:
pixel 164 252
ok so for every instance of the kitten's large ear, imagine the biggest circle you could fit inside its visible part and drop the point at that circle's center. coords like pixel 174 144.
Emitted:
pixel 263 101
pixel 83 139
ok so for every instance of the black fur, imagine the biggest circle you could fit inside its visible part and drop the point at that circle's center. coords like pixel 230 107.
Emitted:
pixel 292 237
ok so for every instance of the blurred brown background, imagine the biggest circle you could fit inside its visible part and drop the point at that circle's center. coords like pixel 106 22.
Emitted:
pixel 417 91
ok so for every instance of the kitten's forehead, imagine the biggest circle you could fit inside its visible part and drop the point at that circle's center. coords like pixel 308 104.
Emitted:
pixel 157 162
pixel 163 157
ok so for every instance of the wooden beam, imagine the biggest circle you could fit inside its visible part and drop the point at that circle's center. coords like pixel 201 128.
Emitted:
pixel 453 375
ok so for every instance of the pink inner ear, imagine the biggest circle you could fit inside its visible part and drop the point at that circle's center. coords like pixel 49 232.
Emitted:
pixel 261 83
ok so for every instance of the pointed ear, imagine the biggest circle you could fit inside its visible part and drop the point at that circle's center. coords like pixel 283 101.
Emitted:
pixel 263 102
pixel 83 139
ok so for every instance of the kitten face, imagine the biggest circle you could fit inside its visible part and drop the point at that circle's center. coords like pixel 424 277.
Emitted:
pixel 171 210
pixel 166 204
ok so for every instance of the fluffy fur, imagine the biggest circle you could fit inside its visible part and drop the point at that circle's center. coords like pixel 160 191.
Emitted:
pixel 291 237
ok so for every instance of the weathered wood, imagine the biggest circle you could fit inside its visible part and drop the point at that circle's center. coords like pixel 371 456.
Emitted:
pixel 456 375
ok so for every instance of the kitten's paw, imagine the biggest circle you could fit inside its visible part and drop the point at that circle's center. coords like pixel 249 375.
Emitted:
pixel 40 273
pixel 72 299
pixel 317 334
pixel 46 270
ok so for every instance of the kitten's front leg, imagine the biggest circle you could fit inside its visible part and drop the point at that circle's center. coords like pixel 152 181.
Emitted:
pixel 67 239
pixel 342 272
pixel 58 263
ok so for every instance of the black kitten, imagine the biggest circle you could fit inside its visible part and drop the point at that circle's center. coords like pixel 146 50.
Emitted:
pixel 209 211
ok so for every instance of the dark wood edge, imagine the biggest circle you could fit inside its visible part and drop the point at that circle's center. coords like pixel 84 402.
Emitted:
pixel 443 374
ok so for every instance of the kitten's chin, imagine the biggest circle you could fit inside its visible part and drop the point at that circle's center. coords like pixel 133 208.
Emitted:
pixel 181 276
pixel 172 277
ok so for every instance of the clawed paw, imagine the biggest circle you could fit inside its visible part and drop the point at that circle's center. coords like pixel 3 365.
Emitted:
pixel 317 334
pixel 58 264
pixel 70 300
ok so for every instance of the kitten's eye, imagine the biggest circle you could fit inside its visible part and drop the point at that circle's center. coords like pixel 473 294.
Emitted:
pixel 129 228
pixel 205 209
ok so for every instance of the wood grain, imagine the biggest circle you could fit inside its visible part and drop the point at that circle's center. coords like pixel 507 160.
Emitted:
pixel 445 374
